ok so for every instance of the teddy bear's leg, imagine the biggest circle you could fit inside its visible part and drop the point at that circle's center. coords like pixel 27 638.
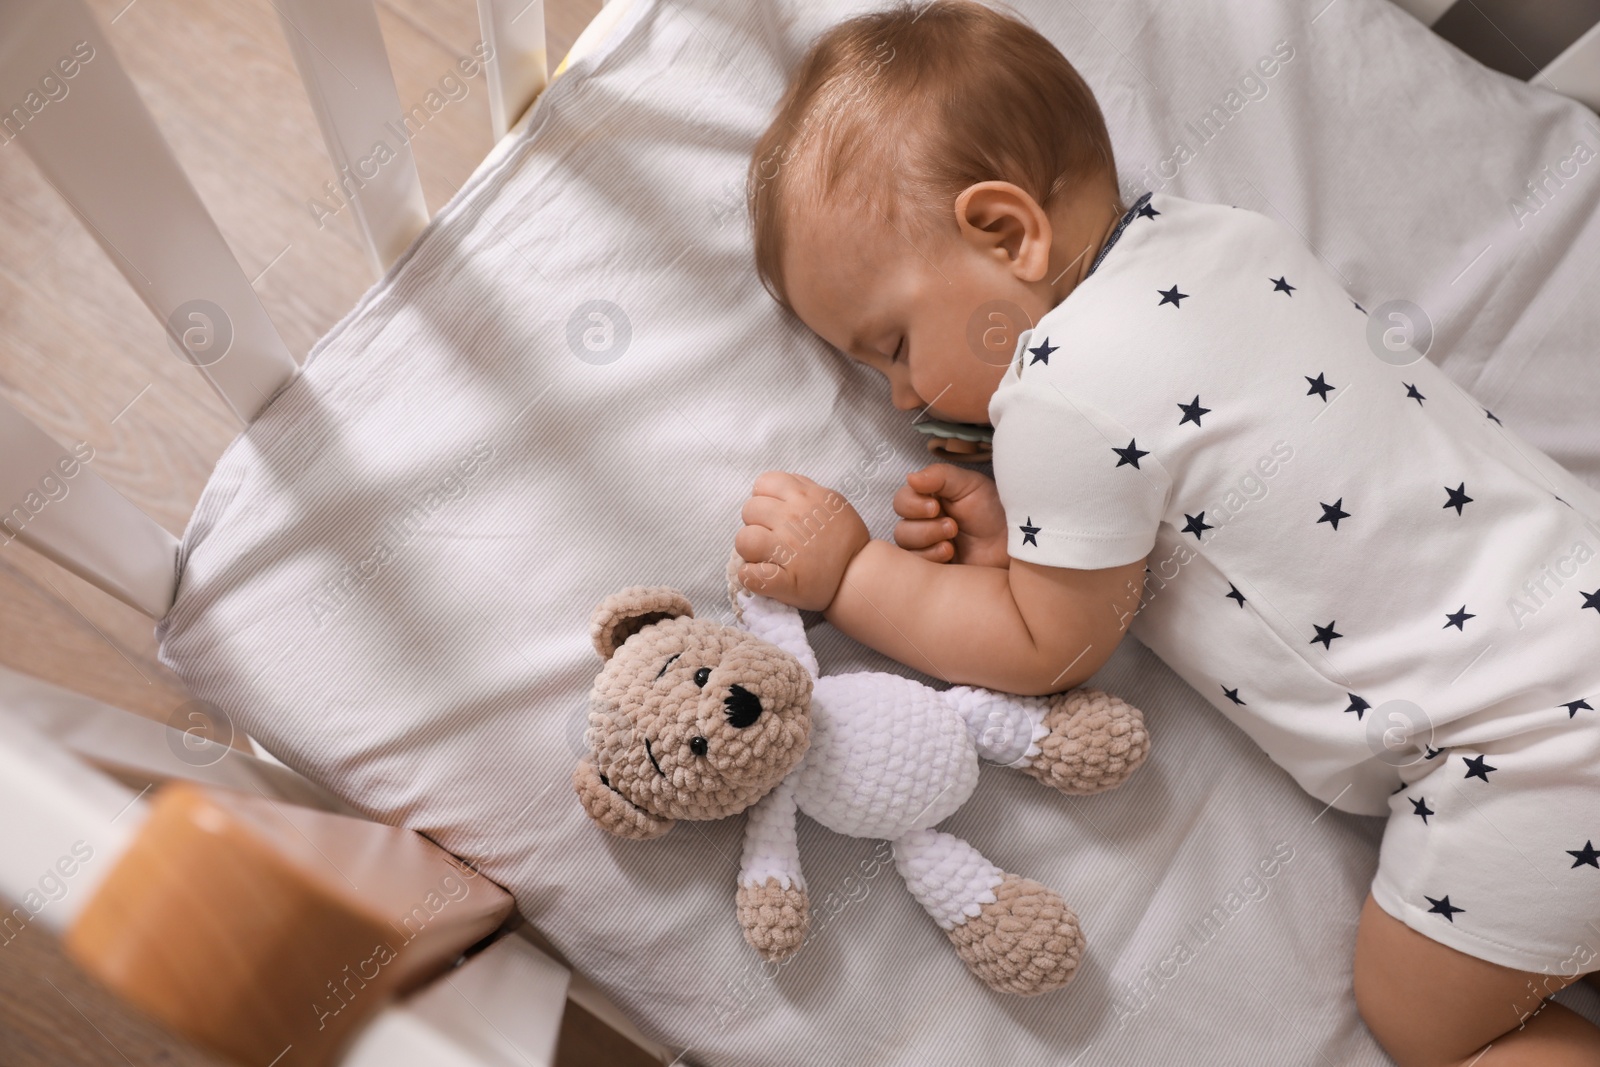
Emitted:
pixel 1092 742
pixel 1013 933
pixel 1004 728
pixel 1083 741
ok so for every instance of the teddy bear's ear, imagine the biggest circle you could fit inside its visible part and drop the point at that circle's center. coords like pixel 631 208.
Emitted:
pixel 621 615
pixel 610 809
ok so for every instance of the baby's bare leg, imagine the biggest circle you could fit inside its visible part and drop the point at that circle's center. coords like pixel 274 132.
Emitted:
pixel 1431 1006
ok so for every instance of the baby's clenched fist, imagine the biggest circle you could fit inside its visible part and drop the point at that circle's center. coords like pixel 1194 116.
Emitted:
pixel 951 515
pixel 798 538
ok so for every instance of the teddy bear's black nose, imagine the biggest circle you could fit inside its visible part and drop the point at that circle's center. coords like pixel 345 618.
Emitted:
pixel 697 745
pixel 701 676
pixel 743 707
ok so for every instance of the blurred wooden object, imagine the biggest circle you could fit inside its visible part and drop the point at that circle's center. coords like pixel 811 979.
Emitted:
pixel 305 948
pixel 55 1014
pixel 75 781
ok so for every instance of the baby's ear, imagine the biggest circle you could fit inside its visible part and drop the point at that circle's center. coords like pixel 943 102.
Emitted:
pixel 608 807
pixel 621 615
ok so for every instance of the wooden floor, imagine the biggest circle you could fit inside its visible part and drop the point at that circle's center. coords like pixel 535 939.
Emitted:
pixel 81 356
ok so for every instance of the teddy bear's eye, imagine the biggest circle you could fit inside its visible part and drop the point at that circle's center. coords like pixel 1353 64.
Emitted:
pixel 743 707
pixel 667 664
pixel 697 745
pixel 701 676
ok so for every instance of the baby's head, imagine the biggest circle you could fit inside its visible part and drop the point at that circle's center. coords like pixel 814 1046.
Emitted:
pixel 928 161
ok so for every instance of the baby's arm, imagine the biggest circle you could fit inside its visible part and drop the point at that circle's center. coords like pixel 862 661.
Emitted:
pixel 1022 629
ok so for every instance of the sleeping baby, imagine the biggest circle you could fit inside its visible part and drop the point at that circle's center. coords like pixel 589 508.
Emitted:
pixel 1385 587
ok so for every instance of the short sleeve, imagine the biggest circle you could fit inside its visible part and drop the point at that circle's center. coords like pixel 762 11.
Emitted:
pixel 1077 489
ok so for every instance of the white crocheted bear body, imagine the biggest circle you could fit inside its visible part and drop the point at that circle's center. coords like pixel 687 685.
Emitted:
pixel 888 756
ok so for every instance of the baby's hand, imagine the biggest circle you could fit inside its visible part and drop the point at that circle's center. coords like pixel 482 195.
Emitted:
pixel 951 515
pixel 797 540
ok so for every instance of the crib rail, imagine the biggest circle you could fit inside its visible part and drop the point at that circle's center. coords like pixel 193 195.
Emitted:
pixel 100 150
pixel 338 50
pixel 268 932
pixel 517 66
pixel 94 799
pixel 1555 46
pixel 67 101
pixel 53 503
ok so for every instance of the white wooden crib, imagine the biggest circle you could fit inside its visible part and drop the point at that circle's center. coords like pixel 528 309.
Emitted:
pixel 177 871
pixel 223 895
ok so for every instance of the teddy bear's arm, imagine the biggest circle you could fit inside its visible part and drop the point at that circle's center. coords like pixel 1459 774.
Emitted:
pixel 774 911
pixel 778 623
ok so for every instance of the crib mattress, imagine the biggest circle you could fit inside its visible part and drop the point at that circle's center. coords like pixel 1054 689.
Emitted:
pixel 387 579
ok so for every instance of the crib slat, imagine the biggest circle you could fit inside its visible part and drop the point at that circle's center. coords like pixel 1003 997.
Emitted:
pixel 502 1008
pixel 1426 12
pixel 517 66
pixel 52 501
pixel 66 825
pixel 73 109
pixel 338 49
pixel 196 744
pixel 1576 72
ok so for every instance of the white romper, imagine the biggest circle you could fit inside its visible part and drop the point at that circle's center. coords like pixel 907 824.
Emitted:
pixel 1391 592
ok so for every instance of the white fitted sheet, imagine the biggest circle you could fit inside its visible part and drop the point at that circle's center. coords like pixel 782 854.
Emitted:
pixel 441 686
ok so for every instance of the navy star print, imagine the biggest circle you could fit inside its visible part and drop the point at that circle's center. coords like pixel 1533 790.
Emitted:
pixel 1132 454
pixel 1246 357
pixel 1192 411
pixel 1332 513
pixel 1319 386
pixel 1444 907
pixel 1028 530
pixel 1326 634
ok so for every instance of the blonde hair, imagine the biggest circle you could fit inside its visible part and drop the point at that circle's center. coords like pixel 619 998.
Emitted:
pixel 922 99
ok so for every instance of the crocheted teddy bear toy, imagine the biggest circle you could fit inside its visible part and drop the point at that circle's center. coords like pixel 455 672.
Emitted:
pixel 694 719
